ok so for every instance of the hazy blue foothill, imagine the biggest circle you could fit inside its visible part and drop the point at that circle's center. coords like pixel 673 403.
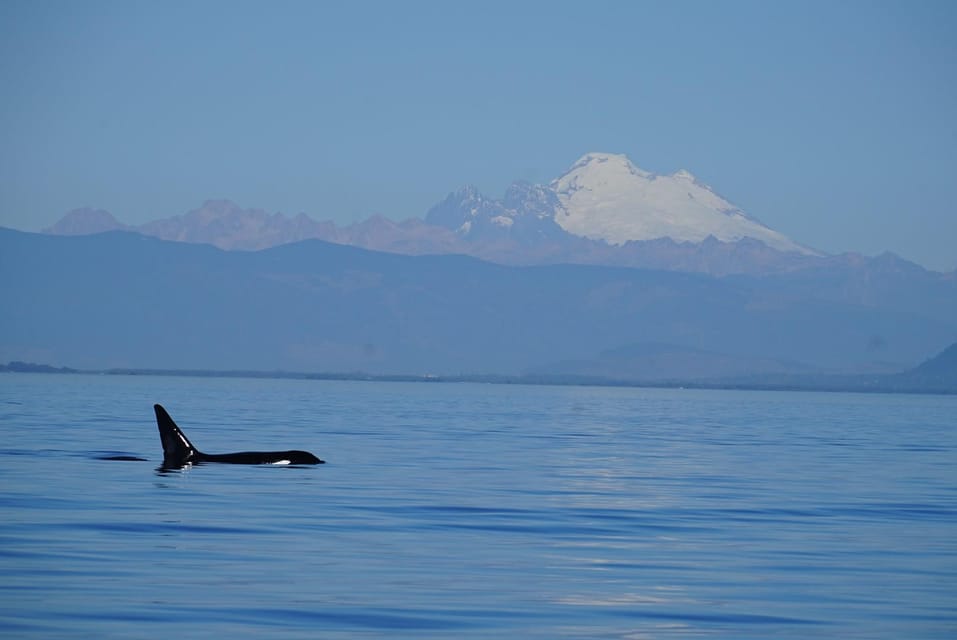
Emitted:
pixel 120 299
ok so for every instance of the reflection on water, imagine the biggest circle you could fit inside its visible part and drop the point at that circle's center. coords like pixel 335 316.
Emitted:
pixel 470 510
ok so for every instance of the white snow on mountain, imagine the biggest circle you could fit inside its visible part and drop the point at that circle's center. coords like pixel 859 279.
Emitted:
pixel 605 197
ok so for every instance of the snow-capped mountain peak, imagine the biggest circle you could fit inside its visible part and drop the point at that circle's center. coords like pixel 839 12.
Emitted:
pixel 604 196
pixel 607 165
pixel 596 171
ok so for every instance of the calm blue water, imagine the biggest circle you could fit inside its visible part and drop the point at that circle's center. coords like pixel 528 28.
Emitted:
pixel 451 510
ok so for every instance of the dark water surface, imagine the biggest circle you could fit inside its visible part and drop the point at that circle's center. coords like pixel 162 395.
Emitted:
pixel 451 510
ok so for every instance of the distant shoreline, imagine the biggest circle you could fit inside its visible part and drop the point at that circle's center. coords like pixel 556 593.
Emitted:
pixel 885 383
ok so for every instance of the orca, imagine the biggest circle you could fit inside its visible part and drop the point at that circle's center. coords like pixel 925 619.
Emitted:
pixel 179 452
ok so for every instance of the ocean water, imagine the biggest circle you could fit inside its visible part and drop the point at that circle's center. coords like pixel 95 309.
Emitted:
pixel 469 510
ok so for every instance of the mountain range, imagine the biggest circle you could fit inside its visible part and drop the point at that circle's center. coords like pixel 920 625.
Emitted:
pixel 608 272
pixel 122 299
pixel 604 210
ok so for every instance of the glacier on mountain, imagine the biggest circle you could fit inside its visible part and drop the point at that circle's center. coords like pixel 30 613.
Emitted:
pixel 605 197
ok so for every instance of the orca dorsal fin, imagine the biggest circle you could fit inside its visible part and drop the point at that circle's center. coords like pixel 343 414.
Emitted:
pixel 177 449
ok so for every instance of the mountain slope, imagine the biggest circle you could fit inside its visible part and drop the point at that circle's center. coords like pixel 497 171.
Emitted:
pixel 936 373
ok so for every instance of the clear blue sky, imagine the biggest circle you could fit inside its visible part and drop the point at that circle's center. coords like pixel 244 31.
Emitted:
pixel 833 122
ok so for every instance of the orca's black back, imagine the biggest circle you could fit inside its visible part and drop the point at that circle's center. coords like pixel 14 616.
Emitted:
pixel 178 451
